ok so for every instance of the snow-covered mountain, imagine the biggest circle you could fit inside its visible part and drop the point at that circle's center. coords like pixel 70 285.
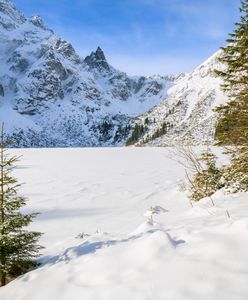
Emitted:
pixel 187 113
pixel 50 96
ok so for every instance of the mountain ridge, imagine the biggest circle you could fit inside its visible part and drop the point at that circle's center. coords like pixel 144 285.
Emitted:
pixel 187 114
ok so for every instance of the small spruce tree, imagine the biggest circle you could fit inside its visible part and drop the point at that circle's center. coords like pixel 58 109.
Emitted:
pixel 232 124
pixel 207 180
pixel 18 247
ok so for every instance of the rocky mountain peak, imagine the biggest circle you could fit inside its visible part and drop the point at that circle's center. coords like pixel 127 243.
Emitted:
pixel 97 60
pixel 100 54
pixel 38 21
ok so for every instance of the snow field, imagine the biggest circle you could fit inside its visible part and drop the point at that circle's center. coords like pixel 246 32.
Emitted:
pixel 103 194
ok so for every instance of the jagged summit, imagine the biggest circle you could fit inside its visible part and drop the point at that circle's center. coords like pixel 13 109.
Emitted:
pixel 97 60
pixel 100 54
pixel 38 21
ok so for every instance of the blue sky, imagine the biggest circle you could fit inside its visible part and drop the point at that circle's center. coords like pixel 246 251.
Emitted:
pixel 141 37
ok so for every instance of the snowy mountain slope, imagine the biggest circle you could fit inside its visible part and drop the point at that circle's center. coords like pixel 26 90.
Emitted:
pixel 52 97
pixel 186 254
pixel 187 112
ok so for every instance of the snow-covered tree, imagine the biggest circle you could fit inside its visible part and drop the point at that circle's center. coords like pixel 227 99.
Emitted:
pixel 203 176
pixel 207 180
pixel 18 247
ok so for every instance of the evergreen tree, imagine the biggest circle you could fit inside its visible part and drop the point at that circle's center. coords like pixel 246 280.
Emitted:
pixel 17 245
pixel 207 179
pixel 232 124
pixel 138 132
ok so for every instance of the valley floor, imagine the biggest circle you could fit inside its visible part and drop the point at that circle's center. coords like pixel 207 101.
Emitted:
pixel 102 194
